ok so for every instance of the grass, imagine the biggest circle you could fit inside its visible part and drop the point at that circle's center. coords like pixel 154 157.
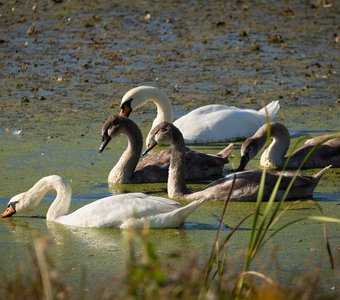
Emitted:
pixel 146 278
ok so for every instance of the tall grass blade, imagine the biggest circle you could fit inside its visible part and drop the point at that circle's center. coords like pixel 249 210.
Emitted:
pixel 234 230
pixel 324 219
pixel 328 246
pixel 40 248
pixel 215 247
pixel 261 226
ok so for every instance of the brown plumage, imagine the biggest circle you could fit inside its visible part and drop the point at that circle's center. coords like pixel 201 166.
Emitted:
pixel 246 185
pixel 154 167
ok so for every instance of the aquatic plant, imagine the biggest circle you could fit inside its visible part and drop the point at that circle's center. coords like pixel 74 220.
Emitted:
pixel 43 281
pixel 146 278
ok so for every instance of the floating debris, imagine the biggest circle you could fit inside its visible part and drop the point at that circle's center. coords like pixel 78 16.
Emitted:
pixel 32 30
pixel 277 39
pixel 220 23
pixel 14 131
pixel 147 17
pixel 24 100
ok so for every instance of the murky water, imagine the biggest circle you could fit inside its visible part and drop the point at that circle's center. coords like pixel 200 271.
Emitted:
pixel 65 66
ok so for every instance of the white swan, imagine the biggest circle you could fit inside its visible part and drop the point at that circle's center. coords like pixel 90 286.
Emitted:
pixel 209 123
pixel 246 185
pixel 119 211
pixel 326 152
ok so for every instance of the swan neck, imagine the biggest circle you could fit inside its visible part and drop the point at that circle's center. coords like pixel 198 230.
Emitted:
pixel 60 204
pixel 274 155
pixel 124 169
pixel 164 109
pixel 176 179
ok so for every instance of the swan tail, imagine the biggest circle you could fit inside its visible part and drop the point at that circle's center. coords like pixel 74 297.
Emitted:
pixel 318 175
pixel 271 109
pixel 174 218
pixel 225 153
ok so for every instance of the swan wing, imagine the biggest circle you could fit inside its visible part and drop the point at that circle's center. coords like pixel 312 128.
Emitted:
pixel 171 219
pixel 213 123
pixel 326 138
pixel 325 154
pixel 113 211
pixel 155 166
pixel 247 184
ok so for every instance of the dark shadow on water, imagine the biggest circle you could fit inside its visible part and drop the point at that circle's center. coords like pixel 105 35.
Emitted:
pixel 100 186
pixel 329 197
pixel 205 226
pixel 8 219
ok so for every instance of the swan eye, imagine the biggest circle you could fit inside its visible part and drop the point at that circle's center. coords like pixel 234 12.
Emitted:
pixel 112 129
pixel 13 204
pixel 163 135
pixel 250 149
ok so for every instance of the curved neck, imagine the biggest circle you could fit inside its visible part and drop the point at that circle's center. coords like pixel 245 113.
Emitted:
pixel 61 203
pixel 163 104
pixel 274 155
pixel 176 179
pixel 164 107
pixel 124 169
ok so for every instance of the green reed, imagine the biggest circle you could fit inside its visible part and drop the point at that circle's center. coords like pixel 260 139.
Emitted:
pixel 264 221
pixel 147 279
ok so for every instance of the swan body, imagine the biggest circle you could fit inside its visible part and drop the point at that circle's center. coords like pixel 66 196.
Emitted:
pixel 246 185
pixel 154 167
pixel 210 123
pixel 119 211
pixel 326 152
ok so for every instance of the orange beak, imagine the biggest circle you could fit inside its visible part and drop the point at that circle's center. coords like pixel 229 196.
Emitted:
pixel 8 212
pixel 125 110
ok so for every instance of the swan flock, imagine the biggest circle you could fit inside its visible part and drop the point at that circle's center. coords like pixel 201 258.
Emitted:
pixel 210 123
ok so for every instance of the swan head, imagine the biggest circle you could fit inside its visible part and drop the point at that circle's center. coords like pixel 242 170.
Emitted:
pixel 16 204
pixel 161 134
pixel 137 97
pixel 249 149
pixel 111 128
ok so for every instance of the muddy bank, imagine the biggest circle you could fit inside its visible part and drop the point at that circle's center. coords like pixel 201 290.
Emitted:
pixel 70 62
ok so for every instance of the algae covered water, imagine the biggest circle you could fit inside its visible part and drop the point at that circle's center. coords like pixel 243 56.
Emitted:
pixel 64 68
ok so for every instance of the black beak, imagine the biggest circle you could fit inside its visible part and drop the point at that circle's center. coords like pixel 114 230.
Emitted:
pixel 152 144
pixel 243 162
pixel 125 109
pixel 105 140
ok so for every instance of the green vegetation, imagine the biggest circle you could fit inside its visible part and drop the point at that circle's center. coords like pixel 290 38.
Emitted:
pixel 217 278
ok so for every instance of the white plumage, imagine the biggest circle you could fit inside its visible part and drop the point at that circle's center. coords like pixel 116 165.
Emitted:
pixel 118 211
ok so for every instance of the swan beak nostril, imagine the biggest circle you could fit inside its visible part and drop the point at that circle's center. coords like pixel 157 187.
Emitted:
pixel 8 212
